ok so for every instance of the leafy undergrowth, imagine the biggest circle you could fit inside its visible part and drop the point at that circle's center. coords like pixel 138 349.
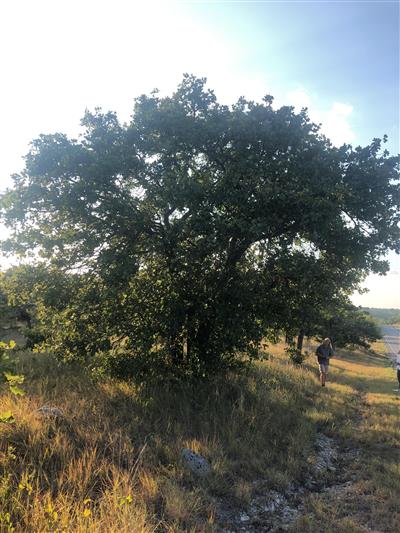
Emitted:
pixel 112 463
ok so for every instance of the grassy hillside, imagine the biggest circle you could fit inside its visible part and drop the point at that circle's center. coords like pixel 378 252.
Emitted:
pixel 384 316
pixel 112 463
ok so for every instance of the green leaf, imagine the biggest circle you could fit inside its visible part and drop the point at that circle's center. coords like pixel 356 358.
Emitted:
pixel 14 378
pixel 7 346
pixel 7 417
pixel 17 391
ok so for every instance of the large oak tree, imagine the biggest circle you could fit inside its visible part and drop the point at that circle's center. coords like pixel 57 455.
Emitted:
pixel 176 216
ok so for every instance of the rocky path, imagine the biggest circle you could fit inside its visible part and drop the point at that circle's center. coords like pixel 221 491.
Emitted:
pixel 331 471
pixel 335 470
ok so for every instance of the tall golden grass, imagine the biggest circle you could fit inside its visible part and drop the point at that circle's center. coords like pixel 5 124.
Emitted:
pixel 112 463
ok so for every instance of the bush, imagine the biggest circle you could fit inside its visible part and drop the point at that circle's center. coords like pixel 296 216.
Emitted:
pixel 295 355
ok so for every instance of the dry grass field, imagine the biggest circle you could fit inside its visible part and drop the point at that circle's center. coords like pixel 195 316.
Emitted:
pixel 112 462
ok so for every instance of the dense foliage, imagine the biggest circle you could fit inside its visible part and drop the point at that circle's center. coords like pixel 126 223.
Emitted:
pixel 186 236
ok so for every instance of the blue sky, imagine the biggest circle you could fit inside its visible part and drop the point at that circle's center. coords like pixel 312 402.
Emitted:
pixel 345 51
pixel 340 59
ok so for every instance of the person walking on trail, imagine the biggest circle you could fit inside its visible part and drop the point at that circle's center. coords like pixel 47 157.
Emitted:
pixel 324 352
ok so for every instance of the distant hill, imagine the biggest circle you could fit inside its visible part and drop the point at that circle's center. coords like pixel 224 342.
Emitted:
pixel 384 316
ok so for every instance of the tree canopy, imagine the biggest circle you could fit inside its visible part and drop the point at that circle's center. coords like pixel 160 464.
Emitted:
pixel 195 224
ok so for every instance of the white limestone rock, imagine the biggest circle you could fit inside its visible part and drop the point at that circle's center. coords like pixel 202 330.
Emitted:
pixel 50 411
pixel 195 462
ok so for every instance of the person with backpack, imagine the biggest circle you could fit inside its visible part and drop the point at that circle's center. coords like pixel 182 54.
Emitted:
pixel 324 352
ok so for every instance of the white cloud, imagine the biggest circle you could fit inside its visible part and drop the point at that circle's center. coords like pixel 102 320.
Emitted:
pixel 335 119
pixel 336 124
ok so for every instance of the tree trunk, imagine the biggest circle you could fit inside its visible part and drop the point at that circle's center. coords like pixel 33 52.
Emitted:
pixel 300 339
pixel 289 339
pixel 175 344
pixel 190 333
